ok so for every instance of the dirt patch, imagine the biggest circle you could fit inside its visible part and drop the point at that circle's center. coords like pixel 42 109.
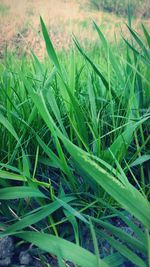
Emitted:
pixel 20 26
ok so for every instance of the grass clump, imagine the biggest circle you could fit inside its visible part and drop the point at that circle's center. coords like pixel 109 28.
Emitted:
pixel 74 152
pixel 4 9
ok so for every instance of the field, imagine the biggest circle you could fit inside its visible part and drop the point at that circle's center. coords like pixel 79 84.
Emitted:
pixel 21 29
pixel 74 136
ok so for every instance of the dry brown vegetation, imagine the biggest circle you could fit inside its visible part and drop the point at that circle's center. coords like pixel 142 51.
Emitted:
pixel 20 27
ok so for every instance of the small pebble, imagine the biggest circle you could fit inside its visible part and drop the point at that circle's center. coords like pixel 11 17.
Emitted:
pixel 6 247
pixel 128 230
pixel 25 258
pixel 5 262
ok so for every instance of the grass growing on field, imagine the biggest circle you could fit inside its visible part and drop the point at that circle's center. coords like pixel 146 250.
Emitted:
pixel 74 151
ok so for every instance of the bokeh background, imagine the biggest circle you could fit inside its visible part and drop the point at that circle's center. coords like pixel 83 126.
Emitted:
pixel 20 23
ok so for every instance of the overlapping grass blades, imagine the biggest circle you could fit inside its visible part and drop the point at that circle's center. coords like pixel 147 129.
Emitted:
pixel 92 133
pixel 66 249
pixel 97 173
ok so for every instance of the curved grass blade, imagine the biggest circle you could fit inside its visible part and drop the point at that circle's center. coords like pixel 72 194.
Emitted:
pixel 147 35
pixel 140 43
pixel 50 49
pixel 127 196
pixel 68 250
pixel 113 60
pixel 126 252
pixel 97 71
pixel 36 216
pixel 130 240
pixel 122 142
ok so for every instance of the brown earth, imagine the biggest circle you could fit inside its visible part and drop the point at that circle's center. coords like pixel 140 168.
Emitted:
pixel 20 27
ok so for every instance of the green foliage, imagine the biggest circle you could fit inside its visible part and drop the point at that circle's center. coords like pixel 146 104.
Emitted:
pixel 74 150
pixel 120 7
pixel 4 9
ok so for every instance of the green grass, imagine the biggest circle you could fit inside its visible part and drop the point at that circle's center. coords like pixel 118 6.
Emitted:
pixel 4 9
pixel 74 150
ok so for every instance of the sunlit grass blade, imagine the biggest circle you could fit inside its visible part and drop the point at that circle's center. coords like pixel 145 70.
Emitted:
pixel 16 192
pixel 12 176
pixel 116 189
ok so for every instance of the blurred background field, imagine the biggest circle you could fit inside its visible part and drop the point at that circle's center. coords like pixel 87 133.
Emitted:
pixel 20 26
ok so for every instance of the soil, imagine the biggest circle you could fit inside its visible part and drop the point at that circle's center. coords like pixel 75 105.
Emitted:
pixel 24 255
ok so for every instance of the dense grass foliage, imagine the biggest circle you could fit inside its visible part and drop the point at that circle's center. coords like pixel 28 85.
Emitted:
pixel 120 7
pixel 74 152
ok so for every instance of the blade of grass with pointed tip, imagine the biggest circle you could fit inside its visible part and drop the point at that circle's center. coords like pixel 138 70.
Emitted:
pixel 35 217
pixel 50 49
pixel 122 142
pixel 9 127
pixel 147 35
pixel 107 49
pixel 39 102
pixel 140 160
pixel 52 101
pixel 97 71
pixel 140 43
